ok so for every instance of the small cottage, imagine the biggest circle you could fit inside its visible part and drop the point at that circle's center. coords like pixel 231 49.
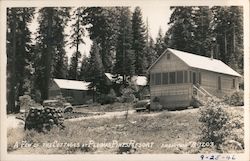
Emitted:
pixel 136 79
pixel 75 91
pixel 176 76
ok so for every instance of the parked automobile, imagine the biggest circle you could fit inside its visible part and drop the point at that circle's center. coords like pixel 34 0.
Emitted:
pixel 142 105
pixel 67 107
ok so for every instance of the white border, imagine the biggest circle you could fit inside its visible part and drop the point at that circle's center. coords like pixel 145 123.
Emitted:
pixel 153 3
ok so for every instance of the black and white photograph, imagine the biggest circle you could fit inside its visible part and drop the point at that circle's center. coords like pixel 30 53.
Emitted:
pixel 124 79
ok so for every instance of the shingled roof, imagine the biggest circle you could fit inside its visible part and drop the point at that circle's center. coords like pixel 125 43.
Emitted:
pixel 200 62
pixel 72 84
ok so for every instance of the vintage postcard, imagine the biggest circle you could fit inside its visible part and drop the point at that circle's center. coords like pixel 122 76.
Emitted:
pixel 124 80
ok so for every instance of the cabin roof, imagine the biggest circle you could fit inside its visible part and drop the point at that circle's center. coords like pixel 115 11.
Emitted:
pixel 138 80
pixel 72 84
pixel 201 62
pixel 113 78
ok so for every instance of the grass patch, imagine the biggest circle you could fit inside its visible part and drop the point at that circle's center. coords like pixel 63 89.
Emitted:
pixel 163 129
pixel 104 108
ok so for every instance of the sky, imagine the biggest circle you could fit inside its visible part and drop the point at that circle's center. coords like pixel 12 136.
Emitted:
pixel 158 17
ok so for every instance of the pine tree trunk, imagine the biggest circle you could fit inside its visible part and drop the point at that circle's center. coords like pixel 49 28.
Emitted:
pixel 11 107
pixel 77 46
pixel 49 56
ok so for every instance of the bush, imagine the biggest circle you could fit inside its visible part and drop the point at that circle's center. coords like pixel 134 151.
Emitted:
pixel 107 98
pixel 213 120
pixel 195 102
pixel 236 99
pixel 236 126
pixel 128 95
pixel 25 102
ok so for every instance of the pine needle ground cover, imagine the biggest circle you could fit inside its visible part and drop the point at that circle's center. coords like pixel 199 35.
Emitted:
pixel 159 132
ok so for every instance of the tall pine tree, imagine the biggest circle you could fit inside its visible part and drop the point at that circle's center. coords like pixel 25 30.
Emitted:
pixel 125 57
pixel 228 30
pixel 159 44
pixel 95 72
pixel 19 54
pixel 151 53
pixel 50 44
pixel 181 31
pixel 103 28
pixel 139 42
pixel 78 32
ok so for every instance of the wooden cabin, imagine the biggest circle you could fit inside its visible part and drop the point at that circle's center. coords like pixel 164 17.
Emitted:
pixel 176 76
pixel 76 92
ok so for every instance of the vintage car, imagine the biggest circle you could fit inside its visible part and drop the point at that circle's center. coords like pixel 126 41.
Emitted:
pixel 143 105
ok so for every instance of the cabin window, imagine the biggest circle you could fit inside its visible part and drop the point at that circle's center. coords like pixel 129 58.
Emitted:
pixel 164 78
pixel 168 56
pixel 83 94
pixel 199 77
pixel 185 76
pixel 152 80
pixel 190 77
pixel 172 77
pixel 180 77
pixel 194 78
pixel 157 78
pixel 219 83
pixel 233 85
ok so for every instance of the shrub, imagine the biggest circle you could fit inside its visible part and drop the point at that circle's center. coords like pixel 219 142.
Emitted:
pixel 195 102
pixel 236 126
pixel 25 101
pixel 237 99
pixel 128 95
pixel 107 98
pixel 213 120
pixel 156 99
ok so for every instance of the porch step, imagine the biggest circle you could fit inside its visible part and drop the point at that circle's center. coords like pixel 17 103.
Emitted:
pixel 201 95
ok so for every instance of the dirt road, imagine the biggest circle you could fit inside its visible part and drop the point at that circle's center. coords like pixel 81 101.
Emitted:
pixel 13 122
pixel 122 113
pixel 106 115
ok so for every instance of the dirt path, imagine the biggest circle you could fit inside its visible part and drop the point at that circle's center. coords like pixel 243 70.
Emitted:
pixel 122 113
pixel 13 122
pixel 106 115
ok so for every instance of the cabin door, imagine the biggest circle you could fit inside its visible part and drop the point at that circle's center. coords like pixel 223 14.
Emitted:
pixel 194 78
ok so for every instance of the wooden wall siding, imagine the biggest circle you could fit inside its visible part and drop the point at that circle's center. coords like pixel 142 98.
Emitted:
pixel 54 90
pixel 174 89
pixel 173 102
pixel 178 95
pixel 166 65
pixel 209 81
pixel 79 96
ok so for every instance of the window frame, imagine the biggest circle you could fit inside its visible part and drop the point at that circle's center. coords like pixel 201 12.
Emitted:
pixel 166 80
pixel 179 80
pixel 152 79
pixel 173 76
pixel 168 56
pixel 185 76
pixel 160 78
pixel 234 83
